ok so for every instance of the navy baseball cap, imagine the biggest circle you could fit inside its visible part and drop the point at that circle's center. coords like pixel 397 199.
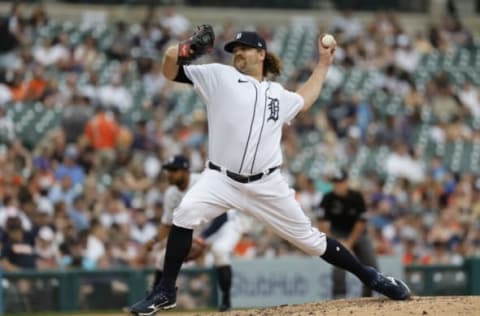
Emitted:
pixel 247 38
pixel 339 176
pixel 177 162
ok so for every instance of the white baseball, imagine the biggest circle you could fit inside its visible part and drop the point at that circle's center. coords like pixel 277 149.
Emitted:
pixel 328 40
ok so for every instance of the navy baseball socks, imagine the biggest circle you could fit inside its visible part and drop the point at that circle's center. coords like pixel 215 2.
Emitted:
pixel 164 295
pixel 157 278
pixel 337 255
pixel 224 274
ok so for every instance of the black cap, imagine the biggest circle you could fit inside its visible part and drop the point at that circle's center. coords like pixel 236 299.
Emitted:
pixel 177 162
pixel 339 176
pixel 247 38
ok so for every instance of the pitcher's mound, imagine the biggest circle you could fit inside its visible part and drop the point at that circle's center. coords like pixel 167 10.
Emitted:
pixel 433 306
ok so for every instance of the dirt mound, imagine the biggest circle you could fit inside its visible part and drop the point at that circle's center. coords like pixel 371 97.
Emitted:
pixel 435 306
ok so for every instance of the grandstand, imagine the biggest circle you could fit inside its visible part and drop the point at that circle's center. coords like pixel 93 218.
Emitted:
pixel 400 110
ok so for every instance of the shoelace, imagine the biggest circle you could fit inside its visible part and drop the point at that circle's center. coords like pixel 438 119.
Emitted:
pixel 156 291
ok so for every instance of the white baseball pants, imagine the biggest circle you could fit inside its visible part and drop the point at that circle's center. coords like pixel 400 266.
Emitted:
pixel 269 200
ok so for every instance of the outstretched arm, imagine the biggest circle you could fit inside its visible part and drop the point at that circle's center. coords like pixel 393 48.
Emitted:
pixel 162 232
pixel 355 234
pixel 313 86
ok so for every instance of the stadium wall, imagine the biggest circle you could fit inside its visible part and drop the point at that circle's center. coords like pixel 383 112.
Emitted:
pixel 259 282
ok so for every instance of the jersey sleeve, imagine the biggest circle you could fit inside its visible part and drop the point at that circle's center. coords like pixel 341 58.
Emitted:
pixel 169 205
pixel 204 78
pixel 293 104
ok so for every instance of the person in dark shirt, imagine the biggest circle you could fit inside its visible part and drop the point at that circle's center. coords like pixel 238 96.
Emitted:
pixel 343 216
pixel 16 252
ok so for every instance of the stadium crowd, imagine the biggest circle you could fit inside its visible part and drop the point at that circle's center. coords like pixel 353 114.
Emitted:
pixel 89 194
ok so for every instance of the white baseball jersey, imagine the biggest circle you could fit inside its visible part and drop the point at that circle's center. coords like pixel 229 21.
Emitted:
pixel 256 111
pixel 173 197
pixel 245 120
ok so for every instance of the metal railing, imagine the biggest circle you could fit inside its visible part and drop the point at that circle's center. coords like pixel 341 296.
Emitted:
pixel 432 280
pixel 76 290
pixel 80 290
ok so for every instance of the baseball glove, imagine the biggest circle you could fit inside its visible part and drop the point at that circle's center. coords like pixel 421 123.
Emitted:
pixel 198 249
pixel 199 43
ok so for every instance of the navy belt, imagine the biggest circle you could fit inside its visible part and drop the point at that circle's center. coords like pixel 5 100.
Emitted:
pixel 240 178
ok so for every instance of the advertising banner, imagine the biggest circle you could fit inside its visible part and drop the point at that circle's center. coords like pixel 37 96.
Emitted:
pixel 293 280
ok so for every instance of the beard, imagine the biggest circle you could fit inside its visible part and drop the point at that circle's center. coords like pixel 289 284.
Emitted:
pixel 239 63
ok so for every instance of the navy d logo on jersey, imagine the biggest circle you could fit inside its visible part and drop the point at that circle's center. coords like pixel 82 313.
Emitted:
pixel 274 108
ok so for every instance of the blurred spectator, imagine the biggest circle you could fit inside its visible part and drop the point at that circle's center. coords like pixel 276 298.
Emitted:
pixel 348 24
pixel 123 251
pixel 39 17
pixel 102 132
pixel 364 115
pixel 78 213
pixel 383 246
pixel 95 242
pixel 307 195
pixel 16 253
pixel 457 31
pixel 341 114
pixel 7 126
pixel 470 98
pixel 46 248
pixel 149 39
pixel 37 86
pixel 142 230
pixel 86 54
pixel 437 170
pixel 63 190
pixel 72 256
pixel 154 82
pixel 9 209
pixel 406 56
pixel 444 105
pixel 10 33
pixel 125 134
pixel 121 41
pixel 18 87
pixel 141 139
pixel 49 54
pixel 115 95
pixel 174 22
pixel 75 117
pixel 114 212
pixel 401 163
pixel 69 167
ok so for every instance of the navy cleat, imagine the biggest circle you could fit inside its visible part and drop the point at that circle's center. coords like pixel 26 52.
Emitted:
pixel 225 307
pixel 155 301
pixel 390 287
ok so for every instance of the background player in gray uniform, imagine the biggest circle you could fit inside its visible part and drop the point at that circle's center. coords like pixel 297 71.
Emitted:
pixel 221 235
pixel 246 112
